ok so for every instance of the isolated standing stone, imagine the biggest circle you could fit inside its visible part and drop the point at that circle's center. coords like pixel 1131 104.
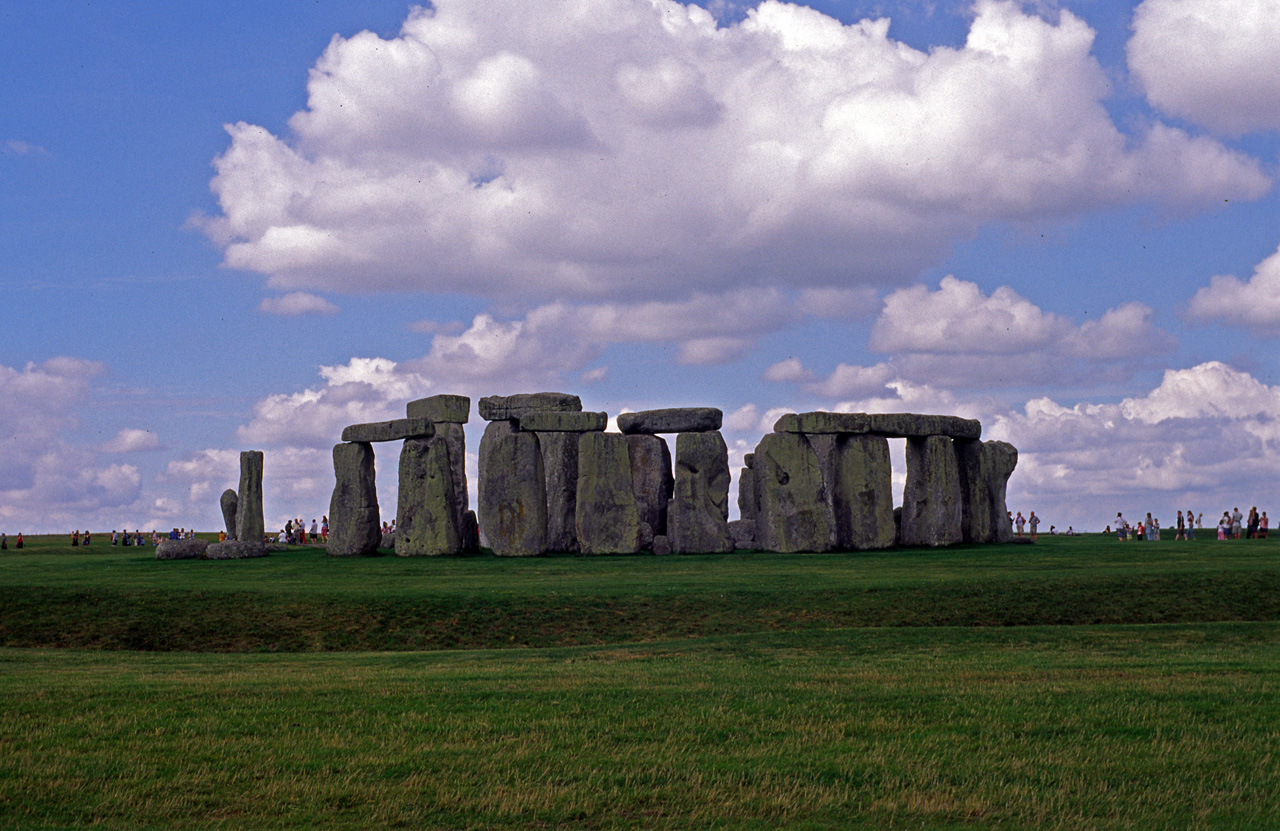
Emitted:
pixel 229 502
pixel 931 501
pixel 501 407
pixel 450 409
pixel 675 420
pixel 560 467
pixel 793 512
pixel 513 495
pixel 862 493
pixel 249 523
pixel 607 519
pixel 354 521
pixel 698 516
pixel 651 479
pixel 426 511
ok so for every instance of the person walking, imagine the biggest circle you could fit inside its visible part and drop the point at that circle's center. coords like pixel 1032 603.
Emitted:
pixel 1191 526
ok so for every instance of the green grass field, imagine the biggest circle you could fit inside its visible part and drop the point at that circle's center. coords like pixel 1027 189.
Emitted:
pixel 1078 683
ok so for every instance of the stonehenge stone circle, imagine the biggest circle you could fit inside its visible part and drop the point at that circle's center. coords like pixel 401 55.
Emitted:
pixel 354 528
pixel 229 502
pixel 607 519
pixel 427 522
pixel 698 513
pixel 513 493
pixel 249 521
pixel 793 510
pixel 676 420
pixel 401 428
pixel 441 409
pixel 931 500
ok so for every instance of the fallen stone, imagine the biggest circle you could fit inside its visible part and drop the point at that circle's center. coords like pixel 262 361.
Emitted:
pixel 862 493
pixel 698 515
pixel 192 549
pixel 662 546
pixel 426 515
pixel 931 500
pixel 549 421
pixel 607 519
pixel 651 479
pixel 249 522
pixel 560 467
pixel 744 534
pixel 513 496
pixel 354 521
pixel 228 502
pixel 235 550
pixel 674 420
pixel 499 407
pixel 401 428
pixel 793 512
pixel 438 409
pixel 890 425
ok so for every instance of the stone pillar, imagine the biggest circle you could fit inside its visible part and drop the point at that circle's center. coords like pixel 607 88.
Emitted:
pixel 999 458
pixel 793 514
pixel 427 518
pixel 229 503
pixel 698 515
pixel 249 522
pixel 354 521
pixel 931 501
pixel 862 492
pixel 748 501
pixel 560 467
pixel 824 446
pixel 651 479
pixel 513 494
pixel 448 414
pixel 607 519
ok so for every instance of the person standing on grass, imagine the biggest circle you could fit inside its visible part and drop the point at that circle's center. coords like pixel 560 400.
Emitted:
pixel 4 541
pixel 1155 525
pixel 17 543
pixel 1262 525
pixel 1119 526
pixel 1181 535
pixel 1034 521
pixel 87 538
pixel 1223 525
pixel 1191 526
pixel 1252 532
pixel 324 529
pixel 1020 523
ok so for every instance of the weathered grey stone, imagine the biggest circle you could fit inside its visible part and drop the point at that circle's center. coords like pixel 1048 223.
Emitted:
pixel 651 479
pixel 662 546
pixel 824 446
pixel 426 510
pixel 749 460
pixel 744 533
pixel 387 542
pixel 748 504
pixel 354 520
pixel 228 503
pixel 560 467
pixel 793 511
pixel 451 409
pixel 500 407
pixel 400 428
pixel 235 550
pixel 249 523
pixel 513 495
pixel 892 425
pixel 931 501
pixel 646 536
pixel 698 516
pixel 674 420
pixel 456 442
pixel 1000 458
pixel 975 499
pixel 550 421
pixel 192 549
pixel 862 493
pixel 470 532
pixel 607 519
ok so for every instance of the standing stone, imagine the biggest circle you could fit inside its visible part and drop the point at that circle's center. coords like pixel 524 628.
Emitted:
pixel 975 498
pixel 560 467
pixel 748 508
pixel 651 479
pixel 824 446
pixel 862 493
pixel 426 512
pixel 249 523
pixel 1000 458
pixel 353 510
pixel 698 517
pixel 455 440
pixel 513 495
pixel 607 519
pixel 793 513
pixel 229 502
pixel 931 501
pixel 470 532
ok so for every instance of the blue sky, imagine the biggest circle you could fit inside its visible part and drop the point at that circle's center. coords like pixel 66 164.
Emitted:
pixel 231 226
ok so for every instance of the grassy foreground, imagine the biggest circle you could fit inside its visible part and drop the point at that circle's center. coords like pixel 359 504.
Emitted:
pixel 55 595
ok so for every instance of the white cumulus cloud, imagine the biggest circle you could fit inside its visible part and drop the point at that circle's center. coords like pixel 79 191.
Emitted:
pixel 1254 304
pixel 296 304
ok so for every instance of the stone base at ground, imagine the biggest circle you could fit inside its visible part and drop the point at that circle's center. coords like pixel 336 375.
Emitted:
pixel 235 550
pixel 181 549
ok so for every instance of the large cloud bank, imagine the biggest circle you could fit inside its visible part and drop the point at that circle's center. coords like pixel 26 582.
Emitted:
pixel 632 148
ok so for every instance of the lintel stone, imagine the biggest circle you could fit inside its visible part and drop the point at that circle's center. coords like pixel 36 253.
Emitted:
pixel 499 407
pixel 673 420
pixel 890 425
pixel 401 428
pixel 551 421
pixel 454 409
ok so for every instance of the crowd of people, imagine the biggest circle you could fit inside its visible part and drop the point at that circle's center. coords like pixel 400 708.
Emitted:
pixel 1232 526
pixel 295 532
